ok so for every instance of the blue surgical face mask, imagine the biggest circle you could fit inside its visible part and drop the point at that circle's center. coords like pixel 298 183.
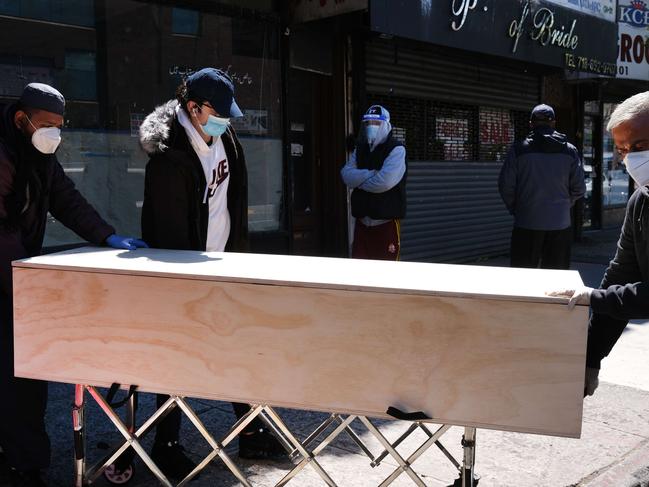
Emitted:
pixel 215 126
pixel 371 131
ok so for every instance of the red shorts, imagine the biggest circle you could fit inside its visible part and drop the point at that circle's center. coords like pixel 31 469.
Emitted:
pixel 381 242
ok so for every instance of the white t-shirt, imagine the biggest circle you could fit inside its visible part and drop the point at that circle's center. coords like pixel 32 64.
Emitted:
pixel 217 174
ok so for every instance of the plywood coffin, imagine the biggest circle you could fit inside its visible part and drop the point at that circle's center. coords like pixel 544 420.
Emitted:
pixel 467 345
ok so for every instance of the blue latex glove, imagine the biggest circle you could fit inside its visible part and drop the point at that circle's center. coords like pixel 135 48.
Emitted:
pixel 127 243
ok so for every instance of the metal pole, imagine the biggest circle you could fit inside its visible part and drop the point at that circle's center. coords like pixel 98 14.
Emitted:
pixel 468 443
pixel 79 440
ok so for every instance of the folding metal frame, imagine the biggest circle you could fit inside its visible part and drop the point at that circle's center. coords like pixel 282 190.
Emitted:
pixel 304 453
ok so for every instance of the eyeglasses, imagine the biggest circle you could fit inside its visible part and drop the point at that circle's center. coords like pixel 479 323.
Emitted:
pixel 216 114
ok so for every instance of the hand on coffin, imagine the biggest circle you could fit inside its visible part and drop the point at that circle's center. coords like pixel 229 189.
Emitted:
pixel 576 296
pixel 591 382
pixel 127 243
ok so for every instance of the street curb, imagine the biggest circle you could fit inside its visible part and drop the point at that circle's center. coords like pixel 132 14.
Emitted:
pixel 631 471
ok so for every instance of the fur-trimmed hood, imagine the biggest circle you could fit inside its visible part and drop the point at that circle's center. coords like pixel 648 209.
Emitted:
pixel 156 128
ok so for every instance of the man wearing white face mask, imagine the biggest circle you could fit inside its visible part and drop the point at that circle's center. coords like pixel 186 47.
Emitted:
pixel 32 183
pixel 376 172
pixel 623 294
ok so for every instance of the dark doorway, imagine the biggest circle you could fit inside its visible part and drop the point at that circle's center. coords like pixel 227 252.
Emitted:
pixel 313 160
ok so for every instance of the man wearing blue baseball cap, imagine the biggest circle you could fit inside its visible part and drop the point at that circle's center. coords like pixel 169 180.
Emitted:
pixel 33 184
pixel 376 173
pixel 540 180
pixel 196 198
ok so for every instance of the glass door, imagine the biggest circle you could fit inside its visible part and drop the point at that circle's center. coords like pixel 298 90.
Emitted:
pixel 591 153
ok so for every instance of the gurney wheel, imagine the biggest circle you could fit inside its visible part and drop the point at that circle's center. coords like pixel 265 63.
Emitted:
pixel 119 477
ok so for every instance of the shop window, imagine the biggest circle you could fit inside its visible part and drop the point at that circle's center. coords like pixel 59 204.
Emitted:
pixel 439 131
pixel 185 22
pixel 615 179
pixel 79 78
pixel 17 71
pixel 72 12
pixel 253 38
pixel 109 95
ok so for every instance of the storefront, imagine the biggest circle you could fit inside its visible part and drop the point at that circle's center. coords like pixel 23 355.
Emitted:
pixel 460 86
pixel 115 60
pixel 608 183
pixel 459 78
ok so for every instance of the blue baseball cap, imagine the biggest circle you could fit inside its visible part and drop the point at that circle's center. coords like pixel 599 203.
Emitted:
pixel 542 113
pixel 43 97
pixel 376 112
pixel 214 86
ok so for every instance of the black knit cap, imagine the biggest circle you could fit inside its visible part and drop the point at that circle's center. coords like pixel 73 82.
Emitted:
pixel 542 113
pixel 43 97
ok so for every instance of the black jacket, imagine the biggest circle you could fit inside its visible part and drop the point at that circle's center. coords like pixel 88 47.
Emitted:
pixel 541 178
pixel 31 185
pixel 388 205
pixel 173 213
pixel 624 292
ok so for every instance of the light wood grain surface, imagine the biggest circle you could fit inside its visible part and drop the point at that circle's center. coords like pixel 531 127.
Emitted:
pixel 350 274
pixel 490 354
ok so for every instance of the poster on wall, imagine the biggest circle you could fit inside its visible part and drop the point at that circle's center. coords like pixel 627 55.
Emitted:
pixel 454 134
pixel 633 40
pixel 496 127
pixel 603 9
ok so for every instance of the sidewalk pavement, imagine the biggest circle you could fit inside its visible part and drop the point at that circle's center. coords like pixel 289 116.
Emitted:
pixel 613 450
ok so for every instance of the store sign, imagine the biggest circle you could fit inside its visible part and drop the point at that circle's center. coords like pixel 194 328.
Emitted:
pixel 633 40
pixel 634 13
pixel 603 9
pixel 543 28
pixel 306 10
pixel 535 31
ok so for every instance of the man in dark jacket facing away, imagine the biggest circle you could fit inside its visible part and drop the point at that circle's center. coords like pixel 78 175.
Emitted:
pixel 541 179
pixel 32 183
pixel 196 198
pixel 376 173
pixel 623 294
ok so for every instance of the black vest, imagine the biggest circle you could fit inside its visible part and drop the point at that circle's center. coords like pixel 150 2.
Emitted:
pixel 379 206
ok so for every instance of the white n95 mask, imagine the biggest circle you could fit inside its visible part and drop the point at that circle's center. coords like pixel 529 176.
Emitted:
pixel 46 140
pixel 637 165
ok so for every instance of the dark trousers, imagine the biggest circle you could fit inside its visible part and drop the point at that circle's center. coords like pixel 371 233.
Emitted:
pixel 381 242
pixel 547 249
pixel 23 436
pixel 168 430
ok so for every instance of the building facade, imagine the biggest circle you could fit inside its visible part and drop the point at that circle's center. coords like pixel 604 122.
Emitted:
pixel 458 76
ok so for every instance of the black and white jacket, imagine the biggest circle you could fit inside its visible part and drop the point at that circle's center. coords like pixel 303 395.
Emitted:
pixel 173 213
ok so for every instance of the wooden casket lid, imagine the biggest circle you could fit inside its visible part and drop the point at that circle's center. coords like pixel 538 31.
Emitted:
pixel 501 283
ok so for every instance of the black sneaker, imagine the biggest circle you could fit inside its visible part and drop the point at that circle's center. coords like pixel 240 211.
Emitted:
pixel 27 478
pixel 260 445
pixel 171 459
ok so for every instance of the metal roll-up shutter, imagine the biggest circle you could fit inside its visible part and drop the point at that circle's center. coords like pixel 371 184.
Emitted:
pixel 432 73
pixel 454 212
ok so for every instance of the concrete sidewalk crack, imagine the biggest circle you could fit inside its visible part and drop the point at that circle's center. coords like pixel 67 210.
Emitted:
pixel 602 471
